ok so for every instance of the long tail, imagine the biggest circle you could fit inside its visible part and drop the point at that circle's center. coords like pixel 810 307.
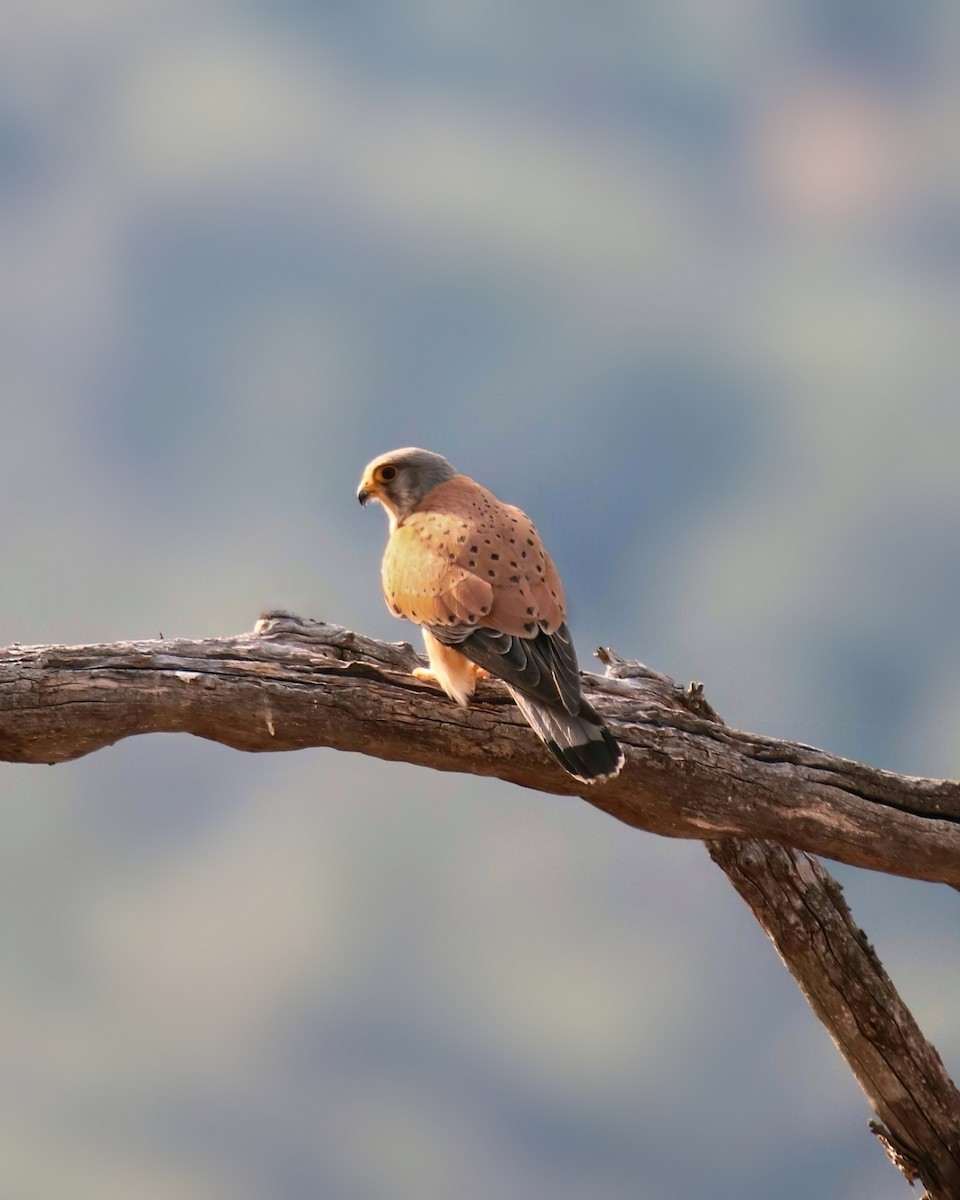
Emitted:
pixel 582 745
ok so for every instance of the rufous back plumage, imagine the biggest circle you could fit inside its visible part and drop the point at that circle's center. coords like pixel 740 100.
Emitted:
pixel 464 557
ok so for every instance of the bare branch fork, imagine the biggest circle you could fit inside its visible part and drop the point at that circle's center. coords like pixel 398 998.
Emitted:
pixel 293 683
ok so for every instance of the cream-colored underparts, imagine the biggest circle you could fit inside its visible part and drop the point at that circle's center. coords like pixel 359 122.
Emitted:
pixel 455 674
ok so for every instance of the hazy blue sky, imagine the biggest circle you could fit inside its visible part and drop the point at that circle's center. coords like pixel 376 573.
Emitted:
pixel 682 280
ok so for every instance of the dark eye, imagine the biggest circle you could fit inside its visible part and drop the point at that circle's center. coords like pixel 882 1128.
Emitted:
pixel 388 473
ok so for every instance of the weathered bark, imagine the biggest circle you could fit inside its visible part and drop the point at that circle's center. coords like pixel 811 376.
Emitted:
pixel 803 911
pixel 294 683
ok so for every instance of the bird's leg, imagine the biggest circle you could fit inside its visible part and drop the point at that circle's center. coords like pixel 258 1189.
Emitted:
pixel 449 669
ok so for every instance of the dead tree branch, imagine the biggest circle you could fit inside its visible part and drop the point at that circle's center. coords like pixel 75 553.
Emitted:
pixel 803 911
pixel 294 683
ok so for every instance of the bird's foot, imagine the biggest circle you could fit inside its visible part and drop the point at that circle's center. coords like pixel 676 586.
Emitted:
pixel 428 676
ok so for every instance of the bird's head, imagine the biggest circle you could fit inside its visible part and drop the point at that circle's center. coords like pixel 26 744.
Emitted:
pixel 400 479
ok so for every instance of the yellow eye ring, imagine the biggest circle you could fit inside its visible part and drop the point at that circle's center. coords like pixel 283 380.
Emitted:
pixel 387 474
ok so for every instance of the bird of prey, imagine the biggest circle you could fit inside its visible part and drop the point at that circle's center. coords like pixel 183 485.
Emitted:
pixel 472 572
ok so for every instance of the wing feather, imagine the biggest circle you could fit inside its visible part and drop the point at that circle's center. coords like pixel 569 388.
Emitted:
pixel 543 667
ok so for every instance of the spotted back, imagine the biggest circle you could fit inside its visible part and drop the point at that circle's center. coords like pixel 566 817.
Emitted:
pixel 465 558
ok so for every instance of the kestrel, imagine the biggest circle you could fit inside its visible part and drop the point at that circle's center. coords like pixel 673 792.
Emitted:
pixel 472 572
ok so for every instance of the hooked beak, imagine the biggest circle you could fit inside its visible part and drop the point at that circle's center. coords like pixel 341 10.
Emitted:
pixel 363 495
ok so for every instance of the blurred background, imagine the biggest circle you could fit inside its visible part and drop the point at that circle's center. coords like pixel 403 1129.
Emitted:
pixel 681 279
